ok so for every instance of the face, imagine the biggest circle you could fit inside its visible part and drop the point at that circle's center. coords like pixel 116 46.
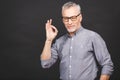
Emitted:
pixel 72 19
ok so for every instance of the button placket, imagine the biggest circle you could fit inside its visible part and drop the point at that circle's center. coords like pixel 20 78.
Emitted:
pixel 70 57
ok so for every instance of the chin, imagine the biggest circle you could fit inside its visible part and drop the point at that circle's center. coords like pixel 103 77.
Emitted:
pixel 71 30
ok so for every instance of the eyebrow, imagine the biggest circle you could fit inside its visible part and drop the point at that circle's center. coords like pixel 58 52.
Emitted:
pixel 71 16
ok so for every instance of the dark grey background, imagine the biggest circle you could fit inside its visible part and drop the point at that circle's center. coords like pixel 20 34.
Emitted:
pixel 22 34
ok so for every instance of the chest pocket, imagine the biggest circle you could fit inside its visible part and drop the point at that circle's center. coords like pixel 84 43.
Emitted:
pixel 83 50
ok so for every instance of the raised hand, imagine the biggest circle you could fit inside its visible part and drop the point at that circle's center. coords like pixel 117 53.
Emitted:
pixel 51 31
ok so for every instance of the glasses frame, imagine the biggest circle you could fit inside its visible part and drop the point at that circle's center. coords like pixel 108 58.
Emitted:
pixel 72 18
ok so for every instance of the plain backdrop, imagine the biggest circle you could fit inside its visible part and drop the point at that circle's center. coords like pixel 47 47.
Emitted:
pixel 22 34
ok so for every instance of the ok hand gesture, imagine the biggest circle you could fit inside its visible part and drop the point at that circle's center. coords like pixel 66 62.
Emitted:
pixel 51 30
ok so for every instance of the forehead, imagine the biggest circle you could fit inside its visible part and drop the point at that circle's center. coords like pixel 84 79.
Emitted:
pixel 68 12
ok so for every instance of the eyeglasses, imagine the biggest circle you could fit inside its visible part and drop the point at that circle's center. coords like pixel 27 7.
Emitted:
pixel 72 18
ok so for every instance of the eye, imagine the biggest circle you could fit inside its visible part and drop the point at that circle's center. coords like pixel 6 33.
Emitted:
pixel 65 18
pixel 74 18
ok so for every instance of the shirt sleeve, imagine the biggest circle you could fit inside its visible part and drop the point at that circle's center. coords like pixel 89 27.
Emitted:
pixel 54 55
pixel 102 55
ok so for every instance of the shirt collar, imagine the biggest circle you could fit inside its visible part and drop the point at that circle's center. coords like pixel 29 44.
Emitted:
pixel 79 30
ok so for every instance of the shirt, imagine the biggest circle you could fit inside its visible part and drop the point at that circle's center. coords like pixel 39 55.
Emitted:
pixel 77 55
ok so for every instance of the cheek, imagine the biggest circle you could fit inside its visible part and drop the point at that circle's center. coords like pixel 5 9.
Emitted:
pixel 80 18
pixel 79 21
pixel 65 25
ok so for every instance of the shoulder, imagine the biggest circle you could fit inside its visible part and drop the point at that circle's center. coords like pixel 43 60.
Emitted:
pixel 94 36
pixel 61 39
pixel 91 33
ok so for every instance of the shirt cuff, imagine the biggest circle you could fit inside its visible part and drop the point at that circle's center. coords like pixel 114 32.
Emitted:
pixel 107 70
pixel 45 63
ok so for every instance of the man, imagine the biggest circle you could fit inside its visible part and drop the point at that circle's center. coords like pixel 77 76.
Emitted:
pixel 79 50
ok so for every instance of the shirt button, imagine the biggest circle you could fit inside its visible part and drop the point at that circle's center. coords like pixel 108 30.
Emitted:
pixel 70 76
pixel 70 56
pixel 71 47
pixel 69 66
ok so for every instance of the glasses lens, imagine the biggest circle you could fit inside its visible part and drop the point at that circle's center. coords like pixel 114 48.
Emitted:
pixel 65 19
pixel 74 18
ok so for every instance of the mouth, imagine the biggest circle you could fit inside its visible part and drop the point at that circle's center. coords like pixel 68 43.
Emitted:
pixel 69 27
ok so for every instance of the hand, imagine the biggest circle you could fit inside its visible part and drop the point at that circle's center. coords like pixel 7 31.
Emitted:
pixel 51 30
pixel 104 77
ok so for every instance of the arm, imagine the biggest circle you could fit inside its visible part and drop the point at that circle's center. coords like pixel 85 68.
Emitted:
pixel 51 33
pixel 46 53
pixel 104 77
pixel 103 57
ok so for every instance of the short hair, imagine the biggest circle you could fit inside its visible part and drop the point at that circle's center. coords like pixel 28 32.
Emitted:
pixel 71 4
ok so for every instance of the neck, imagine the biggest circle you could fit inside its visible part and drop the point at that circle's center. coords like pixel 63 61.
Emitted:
pixel 71 33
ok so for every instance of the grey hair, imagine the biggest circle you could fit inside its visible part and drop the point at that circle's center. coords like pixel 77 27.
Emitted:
pixel 71 4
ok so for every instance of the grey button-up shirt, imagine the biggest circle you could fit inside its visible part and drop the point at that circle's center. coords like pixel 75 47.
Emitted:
pixel 77 56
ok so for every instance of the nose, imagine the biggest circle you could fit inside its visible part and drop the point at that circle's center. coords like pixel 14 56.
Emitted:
pixel 69 21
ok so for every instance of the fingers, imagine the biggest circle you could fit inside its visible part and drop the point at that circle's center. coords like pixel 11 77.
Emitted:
pixel 50 26
pixel 54 29
pixel 49 21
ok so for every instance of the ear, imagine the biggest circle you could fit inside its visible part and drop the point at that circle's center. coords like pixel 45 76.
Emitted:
pixel 80 17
